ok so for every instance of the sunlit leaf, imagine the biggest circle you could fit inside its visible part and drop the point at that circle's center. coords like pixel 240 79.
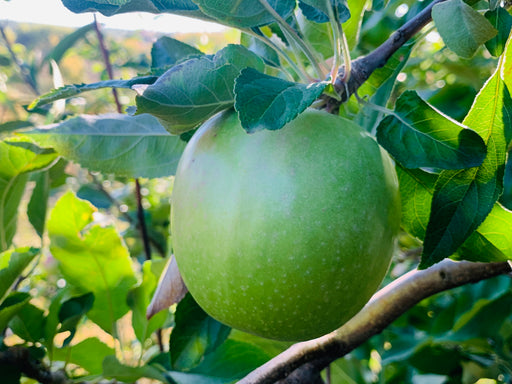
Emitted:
pixel 91 258
pixel 12 265
pixel 463 199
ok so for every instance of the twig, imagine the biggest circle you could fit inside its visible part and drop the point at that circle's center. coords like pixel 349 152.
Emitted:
pixel 29 80
pixel 142 221
pixel 19 358
pixel 106 59
pixel 385 306
pixel 364 66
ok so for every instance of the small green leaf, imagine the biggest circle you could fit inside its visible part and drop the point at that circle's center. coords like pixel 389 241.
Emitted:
pixel 492 241
pixel 416 189
pixel 167 51
pixel 91 258
pixel 12 265
pixel 112 368
pixel 195 335
pixel 139 298
pixel 353 25
pixel 245 13
pixel 132 146
pixel 502 21
pixel 317 11
pixel 38 203
pixel 87 354
pixel 462 28
pixel 232 360
pixel 417 135
pixel 67 42
pixel 266 102
pixel 75 89
pixel 378 89
pixel 11 306
pixel 463 199
pixel 192 91
pixel 28 323
pixel 72 311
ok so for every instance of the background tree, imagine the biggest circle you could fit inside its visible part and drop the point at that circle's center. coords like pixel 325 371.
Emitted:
pixel 429 79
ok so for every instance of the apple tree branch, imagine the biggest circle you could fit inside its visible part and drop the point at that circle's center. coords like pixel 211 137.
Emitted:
pixel 384 307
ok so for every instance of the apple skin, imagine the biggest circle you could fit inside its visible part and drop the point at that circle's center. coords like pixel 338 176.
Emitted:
pixel 284 234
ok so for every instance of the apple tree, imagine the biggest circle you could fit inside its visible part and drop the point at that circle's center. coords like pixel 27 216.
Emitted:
pixel 333 188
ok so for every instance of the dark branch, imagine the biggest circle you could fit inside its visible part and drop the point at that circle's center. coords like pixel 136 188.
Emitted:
pixel 19 358
pixel 363 67
pixel 385 306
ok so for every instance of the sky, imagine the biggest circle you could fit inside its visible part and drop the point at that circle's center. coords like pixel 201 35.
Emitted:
pixel 52 12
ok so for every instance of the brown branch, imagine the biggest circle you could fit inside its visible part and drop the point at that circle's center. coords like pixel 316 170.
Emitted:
pixel 384 307
pixel 108 65
pixel 19 358
pixel 364 66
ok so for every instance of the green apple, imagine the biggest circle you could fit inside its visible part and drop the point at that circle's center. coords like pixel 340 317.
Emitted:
pixel 285 234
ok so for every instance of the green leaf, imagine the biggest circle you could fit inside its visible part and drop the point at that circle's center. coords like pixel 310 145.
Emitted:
pixel 11 306
pixel 492 241
pixel 12 265
pixel 38 203
pixel 87 354
pixel 194 335
pixel 75 89
pixel 139 298
pixel 317 11
pixel 261 49
pixel 378 89
pixel 132 146
pixel 266 102
pixel 67 42
pixel 232 360
pixel 417 135
pixel 245 13
pixel 112 368
pixel 113 7
pixel 71 313
pixel 18 157
pixel 463 199
pixel 416 189
pixel 462 28
pixel 92 258
pixel 353 25
pixel 502 21
pixel 192 91
pixel 167 51
pixel 28 323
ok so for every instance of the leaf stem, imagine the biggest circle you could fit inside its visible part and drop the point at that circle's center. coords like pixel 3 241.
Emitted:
pixel 264 39
pixel 293 36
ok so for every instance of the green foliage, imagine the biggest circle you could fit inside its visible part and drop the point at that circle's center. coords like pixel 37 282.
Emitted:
pixel 76 275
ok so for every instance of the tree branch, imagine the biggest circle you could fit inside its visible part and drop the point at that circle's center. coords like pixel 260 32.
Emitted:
pixel 364 66
pixel 384 307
